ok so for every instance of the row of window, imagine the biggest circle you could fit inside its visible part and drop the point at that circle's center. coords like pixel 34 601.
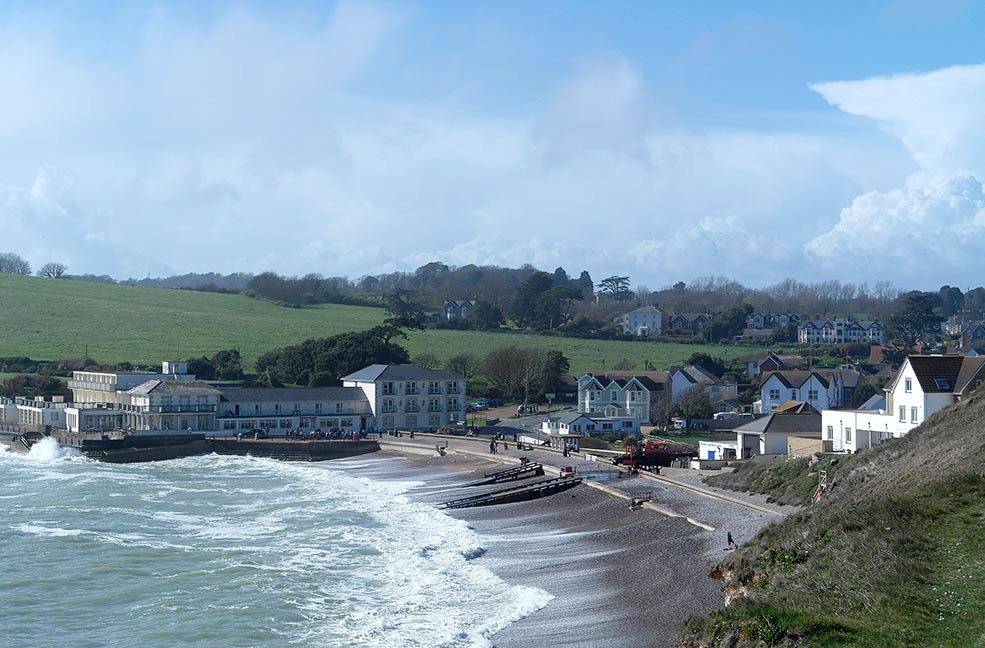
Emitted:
pixel 279 409
pixel 410 420
pixel 812 394
pixel 914 412
pixel 433 387
pixel 434 405
pixel 635 396
pixel 284 424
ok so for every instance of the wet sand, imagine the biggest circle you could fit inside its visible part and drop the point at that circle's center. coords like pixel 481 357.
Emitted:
pixel 620 578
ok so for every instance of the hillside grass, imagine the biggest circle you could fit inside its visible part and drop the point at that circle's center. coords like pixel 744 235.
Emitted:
pixel 893 556
pixel 56 319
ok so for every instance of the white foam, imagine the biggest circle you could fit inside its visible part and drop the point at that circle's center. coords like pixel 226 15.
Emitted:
pixel 48 450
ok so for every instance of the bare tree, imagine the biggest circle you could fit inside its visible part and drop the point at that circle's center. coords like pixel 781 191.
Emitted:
pixel 694 403
pixel 466 365
pixel 426 360
pixel 52 270
pixel 14 264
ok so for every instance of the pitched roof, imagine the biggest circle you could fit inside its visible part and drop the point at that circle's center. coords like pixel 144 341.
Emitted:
pixel 644 310
pixel 696 375
pixel 795 406
pixel 795 423
pixel 174 387
pixel 795 378
pixel 937 374
pixel 971 367
pixel 375 372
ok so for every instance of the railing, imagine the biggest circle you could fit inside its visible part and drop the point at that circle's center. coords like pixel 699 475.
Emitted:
pixel 178 409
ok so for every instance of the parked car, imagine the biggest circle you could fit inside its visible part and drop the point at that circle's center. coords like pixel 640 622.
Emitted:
pixel 479 405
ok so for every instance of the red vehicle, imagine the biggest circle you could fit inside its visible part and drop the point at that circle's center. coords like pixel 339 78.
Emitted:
pixel 654 453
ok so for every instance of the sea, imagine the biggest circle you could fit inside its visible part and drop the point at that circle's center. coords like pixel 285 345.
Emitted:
pixel 237 551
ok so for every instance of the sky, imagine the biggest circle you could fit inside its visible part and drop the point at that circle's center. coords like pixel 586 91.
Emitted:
pixel 660 140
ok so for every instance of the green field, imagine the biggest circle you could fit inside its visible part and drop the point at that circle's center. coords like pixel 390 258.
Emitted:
pixel 55 319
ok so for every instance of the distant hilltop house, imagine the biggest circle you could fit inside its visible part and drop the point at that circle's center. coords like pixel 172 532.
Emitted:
pixel 456 310
pixel 688 323
pixel 643 322
pixel 921 386
pixel 771 320
pixel 621 395
pixel 684 378
pixel 839 331
pixel 820 388
pixel 376 398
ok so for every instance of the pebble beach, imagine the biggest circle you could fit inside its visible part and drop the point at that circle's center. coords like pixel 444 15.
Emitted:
pixel 619 577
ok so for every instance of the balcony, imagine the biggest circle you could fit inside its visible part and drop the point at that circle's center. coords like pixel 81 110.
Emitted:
pixel 179 409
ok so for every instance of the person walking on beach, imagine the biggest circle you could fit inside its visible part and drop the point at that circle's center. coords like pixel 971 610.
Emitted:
pixel 731 542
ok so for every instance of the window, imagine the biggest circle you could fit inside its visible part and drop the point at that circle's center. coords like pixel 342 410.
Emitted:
pixel 338 408
pixel 453 404
pixel 411 420
pixel 831 432
pixel 434 405
pixel 411 405
pixel 412 388
pixel 388 405
pixel 317 408
pixel 615 395
pixel 276 408
pixel 388 388
pixel 942 384
pixel 913 415
pixel 812 395
pixel 902 413
pixel 774 394
pixel 793 394
pixel 297 408
pixel 908 385
pixel 592 395
pixel 848 435
pixel 256 408
pixel 387 422
pixel 434 420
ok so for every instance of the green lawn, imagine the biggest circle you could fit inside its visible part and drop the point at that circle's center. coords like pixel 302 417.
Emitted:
pixel 54 319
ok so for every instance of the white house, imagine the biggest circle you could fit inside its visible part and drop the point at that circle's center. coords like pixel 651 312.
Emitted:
pixel 583 424
pixel 821 389
pixel 921 386
pixel 643 322
pixel 613 395
pixel 685 378
pixel 407 397
pixel 457 309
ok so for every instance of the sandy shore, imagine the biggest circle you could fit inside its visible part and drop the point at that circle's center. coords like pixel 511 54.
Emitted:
pixel 620 578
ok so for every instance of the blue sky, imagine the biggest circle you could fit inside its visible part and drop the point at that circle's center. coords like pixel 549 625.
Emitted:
pixel 665 141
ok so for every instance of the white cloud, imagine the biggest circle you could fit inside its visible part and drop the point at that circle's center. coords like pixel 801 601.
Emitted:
pixel 931 230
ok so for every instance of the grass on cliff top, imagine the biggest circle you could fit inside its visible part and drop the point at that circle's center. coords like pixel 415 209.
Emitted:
pixel 788 482
pixel 56 319
pixel 893 556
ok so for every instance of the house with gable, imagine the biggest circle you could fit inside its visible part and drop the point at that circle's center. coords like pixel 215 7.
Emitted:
pixel 408 397
pixel 456 310
pixel 839 331
pixel 821 389
pixel 972 336
pixel 643 322
pixel 759 365
pixel 684 378
pixel 688 323
pixel 614 395
pixel 921 386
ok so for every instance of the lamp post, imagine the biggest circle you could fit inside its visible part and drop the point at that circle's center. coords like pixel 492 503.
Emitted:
pixel 550 399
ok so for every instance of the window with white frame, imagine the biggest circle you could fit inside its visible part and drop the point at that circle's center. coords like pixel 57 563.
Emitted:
pixel 913 414
pixel 831 433
pixel 774 394
pixel 902 413
pixel 908 385
pixel 848 435
pixel 812 394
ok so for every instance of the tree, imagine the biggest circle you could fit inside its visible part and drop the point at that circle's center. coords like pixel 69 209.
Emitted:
pixel 52 270
pixel 228 364
pixel 466 365
pixel 661 409
pixel 539 304
pixel 728 323
pixel 915 317
pixel 426 360
pixel 484 316
pixel 32 385
pixel 524 373
pixel 694 403
pixel 11 263
pixel 616 287
pixel 336 356
pixel 706 362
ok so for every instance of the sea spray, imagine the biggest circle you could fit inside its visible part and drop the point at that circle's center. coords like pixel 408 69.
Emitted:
pixel 238 551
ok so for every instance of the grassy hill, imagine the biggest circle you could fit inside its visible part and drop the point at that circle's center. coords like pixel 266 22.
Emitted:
pixel 53 319
pixel 893 555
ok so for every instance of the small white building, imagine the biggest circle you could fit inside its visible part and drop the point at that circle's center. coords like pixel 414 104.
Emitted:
pixel 578 423
pixel 771 434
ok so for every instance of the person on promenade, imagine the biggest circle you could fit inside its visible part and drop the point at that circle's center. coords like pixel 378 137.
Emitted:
pixel 492 445
pixel 731 541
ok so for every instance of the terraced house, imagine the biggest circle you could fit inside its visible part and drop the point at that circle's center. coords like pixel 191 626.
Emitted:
pixel 839 331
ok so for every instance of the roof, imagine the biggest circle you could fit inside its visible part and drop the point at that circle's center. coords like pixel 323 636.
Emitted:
pixel 795 378
pixel 971 367
pixel 875 402
pixel 795 406
pixel 651 380
pixel 792 423
pixel 644 310
pixel 570 417
pixel 190 388
pixel 697 375
pixel 375 372
pixel 937 374
pixel 272 394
